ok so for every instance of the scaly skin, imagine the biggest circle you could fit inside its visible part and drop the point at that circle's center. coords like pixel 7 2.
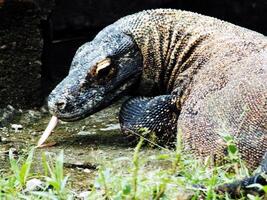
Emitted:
pixel 213 72
pixel 225 69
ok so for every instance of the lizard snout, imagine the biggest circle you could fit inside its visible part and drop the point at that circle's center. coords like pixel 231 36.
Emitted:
pixel 61 104
pixel 56 105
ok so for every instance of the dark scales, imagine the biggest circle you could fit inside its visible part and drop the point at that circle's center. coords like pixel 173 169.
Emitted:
pixel 156 114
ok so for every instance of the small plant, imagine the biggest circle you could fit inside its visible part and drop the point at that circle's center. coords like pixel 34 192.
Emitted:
pixel 54 178
pixel 177 162
pixel 14 185
pixel 22 172
pixel 115 187
pixel 234 158
pixel 136 167
pixel 55 173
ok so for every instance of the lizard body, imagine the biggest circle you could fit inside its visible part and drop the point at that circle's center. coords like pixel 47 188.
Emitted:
pixel 203 76
pixel 224 69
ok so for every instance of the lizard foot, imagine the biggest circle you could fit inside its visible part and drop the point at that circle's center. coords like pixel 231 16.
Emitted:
pixel 157 114
pixel 245 186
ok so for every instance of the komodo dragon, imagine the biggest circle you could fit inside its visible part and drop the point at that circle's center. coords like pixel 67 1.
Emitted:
pixel 201 75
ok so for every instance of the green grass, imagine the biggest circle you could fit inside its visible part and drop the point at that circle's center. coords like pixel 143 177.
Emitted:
pixel 183 176
pixel 14 184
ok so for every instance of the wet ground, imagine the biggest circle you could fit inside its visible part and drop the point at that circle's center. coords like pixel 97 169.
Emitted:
pixel 87 143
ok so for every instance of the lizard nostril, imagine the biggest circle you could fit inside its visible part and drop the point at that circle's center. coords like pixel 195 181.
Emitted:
pixel 61 104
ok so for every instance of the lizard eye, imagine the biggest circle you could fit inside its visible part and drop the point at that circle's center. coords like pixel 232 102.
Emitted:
pixel 103 70
pixel 103 67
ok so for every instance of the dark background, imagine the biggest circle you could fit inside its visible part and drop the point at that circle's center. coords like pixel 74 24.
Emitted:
pixel 38 38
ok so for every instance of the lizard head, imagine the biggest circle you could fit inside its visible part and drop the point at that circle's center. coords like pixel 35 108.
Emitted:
pixel 100 72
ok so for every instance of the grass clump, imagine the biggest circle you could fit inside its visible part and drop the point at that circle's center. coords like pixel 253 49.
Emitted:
pixel 21 183
pixel 184 178
pixel 165 175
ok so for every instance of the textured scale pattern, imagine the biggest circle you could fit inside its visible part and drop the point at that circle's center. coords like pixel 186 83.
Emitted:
pixel 221 69
pixel 158 114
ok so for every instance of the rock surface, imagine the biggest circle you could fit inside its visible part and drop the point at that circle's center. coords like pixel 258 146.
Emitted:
pixel 20 49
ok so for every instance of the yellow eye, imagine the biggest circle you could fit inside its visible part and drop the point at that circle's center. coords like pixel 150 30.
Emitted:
pixel 102 65
pixel 103 71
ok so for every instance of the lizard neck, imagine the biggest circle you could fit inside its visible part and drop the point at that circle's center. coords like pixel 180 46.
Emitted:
pixel 167 44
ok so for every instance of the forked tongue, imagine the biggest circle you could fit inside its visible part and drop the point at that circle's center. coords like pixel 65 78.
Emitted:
pixel 51 125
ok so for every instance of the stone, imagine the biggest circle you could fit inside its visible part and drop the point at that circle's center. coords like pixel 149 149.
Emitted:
pixel 34 184
pixel 7 115
pixel 16 127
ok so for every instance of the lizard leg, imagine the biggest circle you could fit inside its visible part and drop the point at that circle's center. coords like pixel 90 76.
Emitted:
pixel 157 114
pixel 236 188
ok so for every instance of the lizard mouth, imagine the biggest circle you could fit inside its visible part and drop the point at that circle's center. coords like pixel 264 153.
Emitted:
pixel 96 102
pixel 70 117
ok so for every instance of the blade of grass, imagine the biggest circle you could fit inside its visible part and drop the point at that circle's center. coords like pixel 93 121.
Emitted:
pixel 25 168
pixel 136 166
